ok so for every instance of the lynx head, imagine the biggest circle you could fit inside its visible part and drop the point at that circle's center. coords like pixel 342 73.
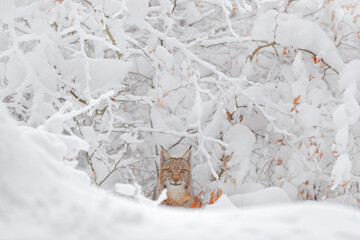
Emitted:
pixel 175 172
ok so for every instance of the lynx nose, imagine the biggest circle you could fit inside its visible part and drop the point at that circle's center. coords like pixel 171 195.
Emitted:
pixel 176 179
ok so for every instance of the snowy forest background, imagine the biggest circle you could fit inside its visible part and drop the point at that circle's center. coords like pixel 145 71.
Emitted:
pixel 266 92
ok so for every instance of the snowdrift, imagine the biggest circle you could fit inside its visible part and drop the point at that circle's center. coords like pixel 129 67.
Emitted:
pixel 44 197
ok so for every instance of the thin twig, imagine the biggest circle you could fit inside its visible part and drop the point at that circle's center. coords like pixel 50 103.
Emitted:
pixel 302 49
pixel 176 143
pixel 77 98
pixel 174 7
pixel 322 60
pixel 259 48
pixel 112 40
pixel 107 30
pixel 113 170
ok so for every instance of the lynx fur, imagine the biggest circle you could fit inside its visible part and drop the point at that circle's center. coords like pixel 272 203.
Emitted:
pixel 175 176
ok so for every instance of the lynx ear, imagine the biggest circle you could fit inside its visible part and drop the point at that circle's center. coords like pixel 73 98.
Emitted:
pixel 164 156
pixel 187 156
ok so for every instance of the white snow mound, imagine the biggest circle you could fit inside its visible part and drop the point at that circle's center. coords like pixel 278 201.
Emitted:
pixel 47 199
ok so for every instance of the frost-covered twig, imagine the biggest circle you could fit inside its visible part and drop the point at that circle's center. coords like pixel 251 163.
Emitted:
pixel 259 48
pixel 53 122
pixel 123 152
pixel 321 59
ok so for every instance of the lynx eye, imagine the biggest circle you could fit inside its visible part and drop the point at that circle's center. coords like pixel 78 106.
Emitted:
pixel 168 170
pixel 183 171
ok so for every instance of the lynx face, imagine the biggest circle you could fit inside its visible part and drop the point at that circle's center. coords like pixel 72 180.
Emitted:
pixel 176 173
pixel 175 176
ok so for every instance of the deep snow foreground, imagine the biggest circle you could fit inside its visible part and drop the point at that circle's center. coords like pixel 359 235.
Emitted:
pixel 44 197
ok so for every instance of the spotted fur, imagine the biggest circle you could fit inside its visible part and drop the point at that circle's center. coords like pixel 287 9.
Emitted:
pixel 175 176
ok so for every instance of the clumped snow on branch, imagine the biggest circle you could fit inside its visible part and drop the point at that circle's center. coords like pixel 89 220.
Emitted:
pixel 265 92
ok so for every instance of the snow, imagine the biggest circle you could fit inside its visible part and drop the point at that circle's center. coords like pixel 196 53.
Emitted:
pixel 49 200
pixel 266 92
pixel 7 11
pixel 113 7
pixel 240 140
pixel 129 138
pixel 350 76
pixel 264 27
pixel 108 73
pixel 125 189
pixel 344 117
pixel 269 195
pixel 137 10
pixel 223 203
pixel 165 56
pixel 291 31
pixel 309 115
pixel 298 33
pixel 15 72
pixel 46 73
pixel 249 187
pixel 341 171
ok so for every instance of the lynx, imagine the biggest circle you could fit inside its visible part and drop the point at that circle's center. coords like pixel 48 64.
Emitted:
pixel 175 176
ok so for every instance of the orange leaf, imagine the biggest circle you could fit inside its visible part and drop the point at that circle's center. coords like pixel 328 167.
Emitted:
pixel 296 100
pixel 186 198
pixel 316 60
pixel 227 158
pixel 162 104
pixel 194 205
pixel 197 202
pixel 344 185
pixel 60 1
pixel 219 193
pixel 94 175
pixel 229 115
pixel 284 53
pixel 212 198
pixel 309 197
pixel 233 180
